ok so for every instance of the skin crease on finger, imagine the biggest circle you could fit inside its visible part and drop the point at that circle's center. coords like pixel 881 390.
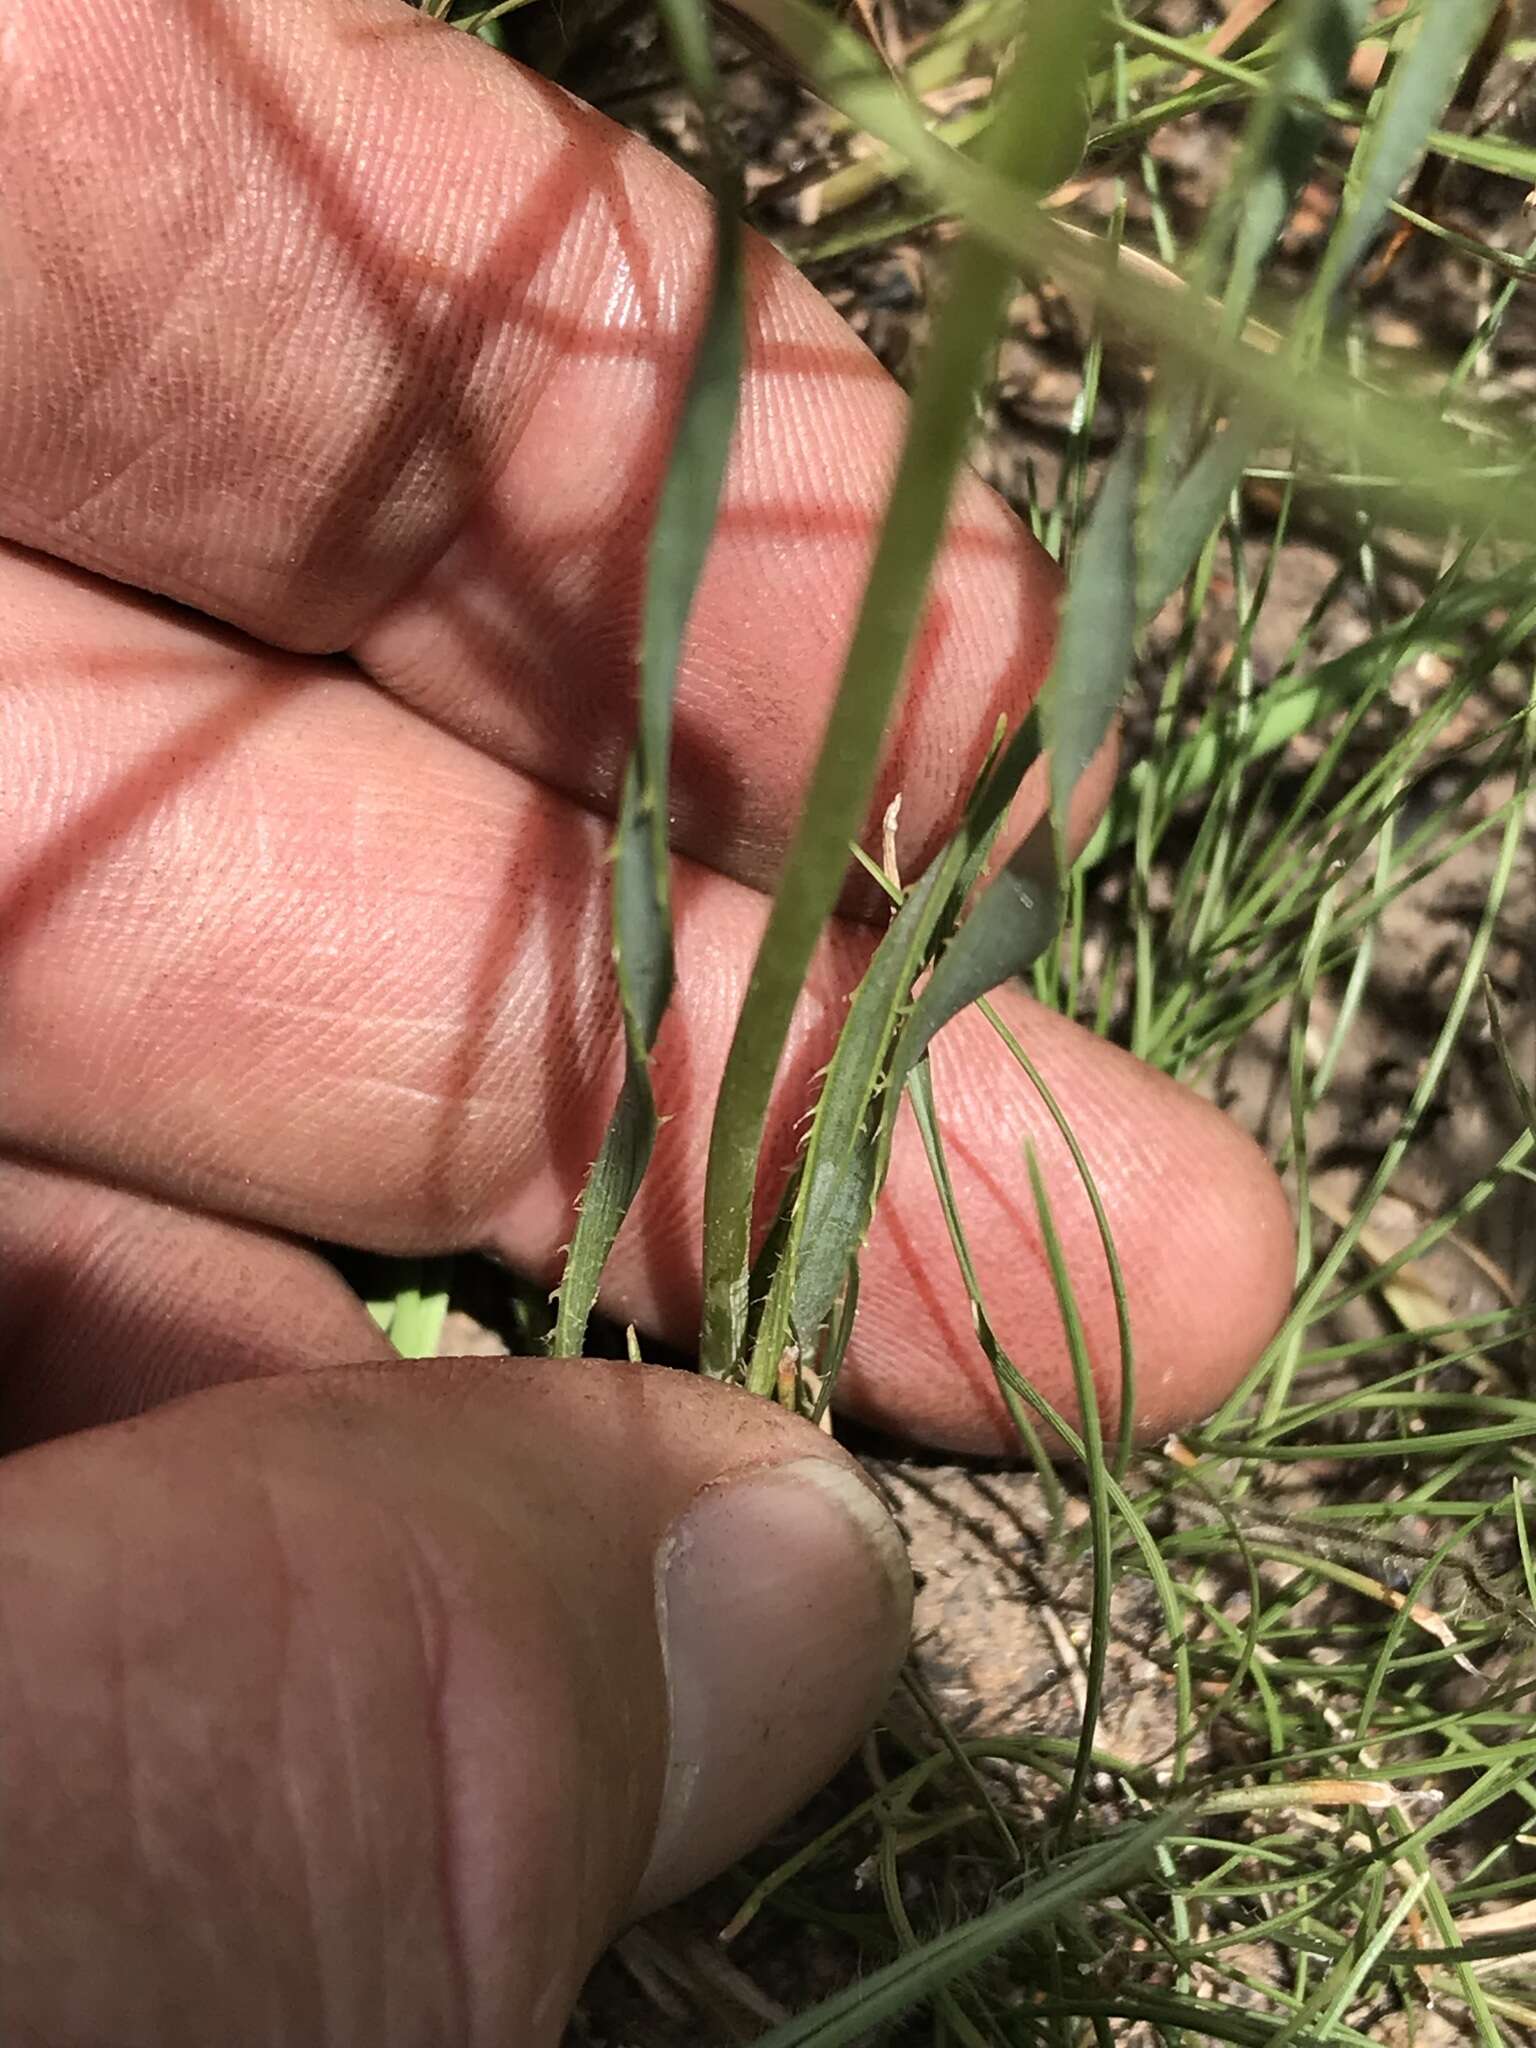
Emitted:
pixel 337 385
pixel 279 947
pixel 113 1303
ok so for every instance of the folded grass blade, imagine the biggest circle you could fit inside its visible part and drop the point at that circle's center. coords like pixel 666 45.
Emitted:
pixel 1040 108
pixel 829 1206
pixel 642 919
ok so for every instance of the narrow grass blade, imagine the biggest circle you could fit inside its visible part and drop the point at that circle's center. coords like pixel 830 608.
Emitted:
pixel 1025 1401
pixel 924 1109
pixel 1087 1392
pixel 1282 140
pixel 1186 519
pixel 1127 1424
pixel 1097 643
pixel 1429 56
pixel 888 1993
pixel 1195 2019
pixel 1519 1087
pixel 642 917
pixel 1017 915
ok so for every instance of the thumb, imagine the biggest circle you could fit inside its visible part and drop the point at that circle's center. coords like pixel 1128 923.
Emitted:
pixel 364 1706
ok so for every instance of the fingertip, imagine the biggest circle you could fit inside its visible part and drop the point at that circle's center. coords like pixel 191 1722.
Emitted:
pixel 115 1302
pixel 1224 1259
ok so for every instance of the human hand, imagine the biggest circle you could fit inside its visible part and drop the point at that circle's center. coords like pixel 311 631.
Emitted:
pixel 303 928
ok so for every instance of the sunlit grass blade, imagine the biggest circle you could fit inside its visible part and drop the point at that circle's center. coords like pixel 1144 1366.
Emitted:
pixel 1429 54
pixel 1282 139
pixel 642 916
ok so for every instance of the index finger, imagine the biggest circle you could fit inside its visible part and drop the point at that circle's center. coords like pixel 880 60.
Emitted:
pixel 383 355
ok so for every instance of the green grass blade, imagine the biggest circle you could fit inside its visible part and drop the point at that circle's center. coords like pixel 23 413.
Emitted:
pixel 846 1151
pixel 1187 515
pixel 1097 641
pixel 1096 1662
pixel 1025 1401
pixel 1040 108
pixel 924 1109
pixel 1013 921
pixel 1126 1433
pixel 1018 914
pixel 412 1318
pixel 1282 140
pixel 642 915
pixel 886 1994
pixel 1429 56
pixel 835 1193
